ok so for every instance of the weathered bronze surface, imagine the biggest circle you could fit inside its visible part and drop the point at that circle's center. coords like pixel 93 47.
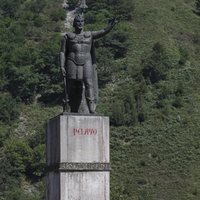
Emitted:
pixel 78 65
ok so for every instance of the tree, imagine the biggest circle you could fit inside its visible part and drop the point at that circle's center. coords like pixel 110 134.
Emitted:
pixel 124 8
pixel 162 58
pixel 9 108
pixel 15 159
pixel 10 7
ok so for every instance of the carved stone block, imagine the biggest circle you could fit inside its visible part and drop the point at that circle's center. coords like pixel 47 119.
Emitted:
pixel 78 158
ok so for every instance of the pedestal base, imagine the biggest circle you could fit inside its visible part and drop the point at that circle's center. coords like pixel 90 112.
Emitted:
pixel 78 158
pixel 78 186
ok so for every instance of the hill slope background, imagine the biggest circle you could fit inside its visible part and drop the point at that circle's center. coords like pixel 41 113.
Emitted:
pixel 149 80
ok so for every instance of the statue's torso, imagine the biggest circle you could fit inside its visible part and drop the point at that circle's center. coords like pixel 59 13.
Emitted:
pixel 79 47
pixel 78 58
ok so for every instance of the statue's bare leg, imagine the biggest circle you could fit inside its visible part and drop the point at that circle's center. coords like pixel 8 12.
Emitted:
pixel 89 94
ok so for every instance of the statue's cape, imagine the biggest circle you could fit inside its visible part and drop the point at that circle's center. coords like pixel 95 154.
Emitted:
pixel 95 77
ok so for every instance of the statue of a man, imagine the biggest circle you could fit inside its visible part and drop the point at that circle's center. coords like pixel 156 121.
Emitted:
pixel 77 61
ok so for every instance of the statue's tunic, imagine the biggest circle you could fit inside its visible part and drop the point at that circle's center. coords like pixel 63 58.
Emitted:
pixel 78 56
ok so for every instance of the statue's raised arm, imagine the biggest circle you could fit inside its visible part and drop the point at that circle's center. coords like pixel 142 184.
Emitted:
pixel 103 32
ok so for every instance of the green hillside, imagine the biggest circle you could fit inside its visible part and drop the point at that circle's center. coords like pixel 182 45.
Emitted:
pixel 149 77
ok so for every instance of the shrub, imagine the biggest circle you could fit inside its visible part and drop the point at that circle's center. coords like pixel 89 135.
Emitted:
pixel 184 55
pixel 162 58
pixel 197 5
pixel 9 108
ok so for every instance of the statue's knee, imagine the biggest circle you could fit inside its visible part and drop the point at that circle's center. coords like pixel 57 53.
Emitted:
pixel 88 83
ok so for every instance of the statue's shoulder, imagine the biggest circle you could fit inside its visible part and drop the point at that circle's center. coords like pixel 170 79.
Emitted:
pixel 70 35
pixel 87 34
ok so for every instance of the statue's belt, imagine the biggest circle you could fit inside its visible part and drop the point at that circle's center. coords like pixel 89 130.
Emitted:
pixel 79 62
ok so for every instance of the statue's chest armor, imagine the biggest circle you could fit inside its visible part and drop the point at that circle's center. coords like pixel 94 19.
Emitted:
pixel 79 47
pixel 81 43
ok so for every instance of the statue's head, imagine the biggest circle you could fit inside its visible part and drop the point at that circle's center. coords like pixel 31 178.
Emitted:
pixel 78 22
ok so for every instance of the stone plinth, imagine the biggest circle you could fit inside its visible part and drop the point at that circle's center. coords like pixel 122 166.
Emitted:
pixel 78 186
pixel 78 158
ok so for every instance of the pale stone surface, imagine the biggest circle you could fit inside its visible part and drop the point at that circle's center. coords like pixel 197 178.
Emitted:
pixel 80 144
pixel 78 139
pixel 78 186
pixel 85 186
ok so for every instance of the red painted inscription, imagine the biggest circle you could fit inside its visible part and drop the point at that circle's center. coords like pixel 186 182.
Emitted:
pixel 84 131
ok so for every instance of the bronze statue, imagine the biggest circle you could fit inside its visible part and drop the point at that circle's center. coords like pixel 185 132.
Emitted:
pixel 78 65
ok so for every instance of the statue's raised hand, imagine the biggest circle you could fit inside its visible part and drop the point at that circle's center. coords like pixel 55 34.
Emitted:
pixel 113 21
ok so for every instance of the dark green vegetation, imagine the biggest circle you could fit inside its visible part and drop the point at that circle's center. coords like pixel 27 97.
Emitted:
pixel 149 71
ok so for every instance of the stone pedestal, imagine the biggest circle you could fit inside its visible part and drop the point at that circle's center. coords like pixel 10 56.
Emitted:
pixel 78 158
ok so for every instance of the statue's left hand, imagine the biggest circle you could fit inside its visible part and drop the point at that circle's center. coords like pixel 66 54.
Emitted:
pixel 113 21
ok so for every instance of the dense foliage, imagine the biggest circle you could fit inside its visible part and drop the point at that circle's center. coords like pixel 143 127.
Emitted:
pixel 149 87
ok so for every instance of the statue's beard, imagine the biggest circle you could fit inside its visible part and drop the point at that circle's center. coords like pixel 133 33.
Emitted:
pixel 79 28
